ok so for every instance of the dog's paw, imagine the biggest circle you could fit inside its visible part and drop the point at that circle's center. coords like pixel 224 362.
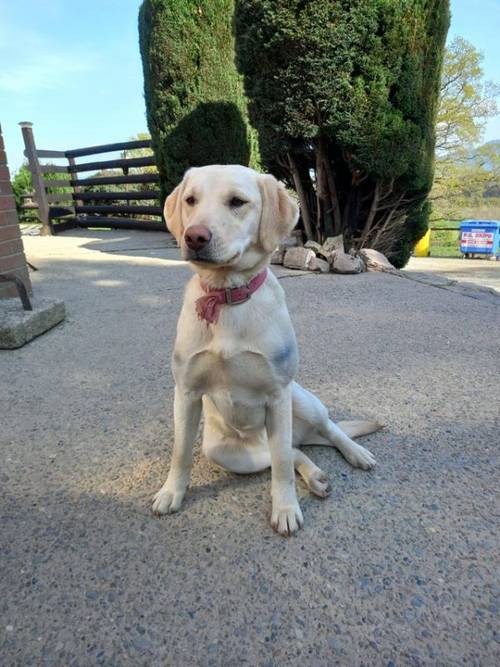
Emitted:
pixel 287 520
pixel 360 457
pixel 318 484
pixel 167 502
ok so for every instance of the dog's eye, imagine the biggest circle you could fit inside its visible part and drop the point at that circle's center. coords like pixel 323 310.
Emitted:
pixel 236 202
pixel 190 201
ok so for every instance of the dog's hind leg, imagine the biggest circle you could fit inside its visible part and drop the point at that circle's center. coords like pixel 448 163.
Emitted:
pixel 314 477
pixel 313 426
pixel 246 457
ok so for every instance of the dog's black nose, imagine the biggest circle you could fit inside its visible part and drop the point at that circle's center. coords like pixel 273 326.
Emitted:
pixel 197 236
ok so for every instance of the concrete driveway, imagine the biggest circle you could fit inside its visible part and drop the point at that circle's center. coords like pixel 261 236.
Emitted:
pixel 397 567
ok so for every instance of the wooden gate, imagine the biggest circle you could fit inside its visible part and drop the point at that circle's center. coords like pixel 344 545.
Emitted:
pixel 66 200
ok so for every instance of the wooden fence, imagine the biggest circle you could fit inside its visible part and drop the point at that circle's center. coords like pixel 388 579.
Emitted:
pixel 71 201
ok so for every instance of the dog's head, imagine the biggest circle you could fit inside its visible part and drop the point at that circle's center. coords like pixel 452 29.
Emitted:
pixel 229 215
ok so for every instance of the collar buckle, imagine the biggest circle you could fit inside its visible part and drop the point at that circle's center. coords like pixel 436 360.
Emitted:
pixel 233 302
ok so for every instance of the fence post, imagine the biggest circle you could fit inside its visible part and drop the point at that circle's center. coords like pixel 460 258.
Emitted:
pixel 37 177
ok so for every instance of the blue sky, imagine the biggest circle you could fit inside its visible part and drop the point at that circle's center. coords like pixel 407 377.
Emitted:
pixel 74 70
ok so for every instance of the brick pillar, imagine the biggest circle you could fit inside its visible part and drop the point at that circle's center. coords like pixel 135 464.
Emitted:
pixel 12 259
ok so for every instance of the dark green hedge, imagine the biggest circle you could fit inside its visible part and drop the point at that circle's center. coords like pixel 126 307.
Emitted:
pixel 196 108
pixel 349 90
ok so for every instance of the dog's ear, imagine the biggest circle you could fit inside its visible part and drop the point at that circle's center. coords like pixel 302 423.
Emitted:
pixel 279 213
pixel 172 211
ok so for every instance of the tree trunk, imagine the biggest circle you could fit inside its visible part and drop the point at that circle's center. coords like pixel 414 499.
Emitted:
pixel 328 190
pixel 351 213
pixel 301 193
pixel 323 212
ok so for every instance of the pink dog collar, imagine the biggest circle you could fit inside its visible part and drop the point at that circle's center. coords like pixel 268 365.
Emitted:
pixel 208 306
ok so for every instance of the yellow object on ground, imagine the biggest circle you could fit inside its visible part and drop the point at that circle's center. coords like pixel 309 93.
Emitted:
pixel 422 249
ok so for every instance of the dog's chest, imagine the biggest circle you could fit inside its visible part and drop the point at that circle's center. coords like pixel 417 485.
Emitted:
pixel 247 373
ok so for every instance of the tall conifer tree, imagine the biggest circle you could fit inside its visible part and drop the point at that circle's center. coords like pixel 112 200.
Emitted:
pixel 195 104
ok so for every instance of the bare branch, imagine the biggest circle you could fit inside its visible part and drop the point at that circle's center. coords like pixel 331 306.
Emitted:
pixel 371 215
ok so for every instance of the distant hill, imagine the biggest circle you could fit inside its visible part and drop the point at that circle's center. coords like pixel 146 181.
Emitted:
pixel 493 145
pixel 482 154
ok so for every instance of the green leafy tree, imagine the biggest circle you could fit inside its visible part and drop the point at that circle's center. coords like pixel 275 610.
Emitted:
pixel 466 100
pixel 21 185
pixel 467 176
pixel 344 97
pixel 196 108
pixel 465 182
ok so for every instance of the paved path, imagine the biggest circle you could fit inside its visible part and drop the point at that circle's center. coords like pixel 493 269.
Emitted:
pixel 485 272
pixel 396 567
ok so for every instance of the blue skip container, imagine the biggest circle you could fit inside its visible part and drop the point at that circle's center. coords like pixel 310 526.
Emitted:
pixel 480 237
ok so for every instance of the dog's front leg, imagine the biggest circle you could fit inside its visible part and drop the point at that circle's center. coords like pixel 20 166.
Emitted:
pixel 187 412
pixel 286 513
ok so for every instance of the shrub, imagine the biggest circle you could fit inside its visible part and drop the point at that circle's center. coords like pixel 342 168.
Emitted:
pixel 344 97
pixel 21 185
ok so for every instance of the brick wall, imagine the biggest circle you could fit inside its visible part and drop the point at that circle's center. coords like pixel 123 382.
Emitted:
pixel 12 259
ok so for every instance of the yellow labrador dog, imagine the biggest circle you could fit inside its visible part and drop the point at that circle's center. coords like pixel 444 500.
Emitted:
pixel 235 354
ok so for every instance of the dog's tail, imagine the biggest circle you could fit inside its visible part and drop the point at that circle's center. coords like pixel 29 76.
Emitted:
pixel 356 428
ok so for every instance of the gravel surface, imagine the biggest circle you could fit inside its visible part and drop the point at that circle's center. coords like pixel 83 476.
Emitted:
pixel 397 567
